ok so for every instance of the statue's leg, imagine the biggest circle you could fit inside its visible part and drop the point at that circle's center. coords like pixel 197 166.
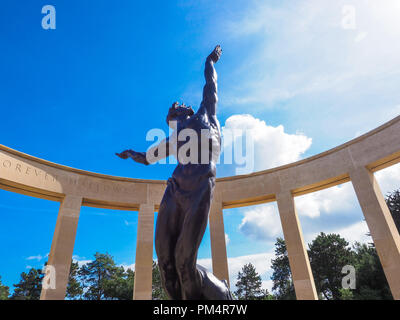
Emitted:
pixel 168 226
pixel 196 210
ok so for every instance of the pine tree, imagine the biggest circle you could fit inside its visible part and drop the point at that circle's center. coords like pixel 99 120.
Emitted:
pixel 249 284
pixel 30 285
pixel 74 288
pixel 282 276
pixel 371 281
pixel 4 291
pixel 120 285
pixel 96 276
pixel 328 254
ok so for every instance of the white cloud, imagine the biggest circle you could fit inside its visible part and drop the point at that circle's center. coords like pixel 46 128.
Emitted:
pixel 355 232
pixel 227 240
pixel 272 145
pixel 206 263
pixel 261 262
pixel 128 266
pixel 129 223
pixel 76 257
pixel 267 284
pixel 80 260
pixel 302 61
pixel 337 199
pixel 389 179
pixel 261 222
pixel 37 257
pixel 310 44
pixel 361 36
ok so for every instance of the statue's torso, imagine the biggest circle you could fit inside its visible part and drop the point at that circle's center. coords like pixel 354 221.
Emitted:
pixel 196 166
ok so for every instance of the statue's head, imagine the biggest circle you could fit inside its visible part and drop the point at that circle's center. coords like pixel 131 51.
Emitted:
pixel 179 112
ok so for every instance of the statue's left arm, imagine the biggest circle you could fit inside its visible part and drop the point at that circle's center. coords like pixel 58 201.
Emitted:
pixel 210 91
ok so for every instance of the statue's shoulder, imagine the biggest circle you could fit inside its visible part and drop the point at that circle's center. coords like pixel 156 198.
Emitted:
pixel 196 118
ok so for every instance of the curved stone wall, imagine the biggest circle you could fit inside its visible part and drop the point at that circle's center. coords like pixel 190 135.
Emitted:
pixel 353 161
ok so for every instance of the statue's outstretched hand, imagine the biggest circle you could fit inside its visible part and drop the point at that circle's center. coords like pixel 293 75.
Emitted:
pixel 124 154
pixel 139 157
pixel 216 53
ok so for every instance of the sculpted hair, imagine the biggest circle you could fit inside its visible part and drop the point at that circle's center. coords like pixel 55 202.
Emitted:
pixel 177 110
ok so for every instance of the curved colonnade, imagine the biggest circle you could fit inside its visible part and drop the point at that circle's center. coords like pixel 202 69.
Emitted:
pixel 354 161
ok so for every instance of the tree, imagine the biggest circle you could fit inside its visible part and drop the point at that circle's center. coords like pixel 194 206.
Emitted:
pixel 74 288
pixel 249 284
pixel 393 202
pixel 346 294
pixel 120 285
pixel 282 276
pixel 328 255
pixel 30 285
pixel 4 291
pixel 102 279
pixel 371 282
pixel 158 292
pixel 96 275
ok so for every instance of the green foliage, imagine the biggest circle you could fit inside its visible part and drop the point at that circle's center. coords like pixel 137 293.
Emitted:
pixel 74 288
pixel 158 292
pixel 282 277
pixel 102 279
pixel 393 202
pixel 120 285
pixel 371 282
pixel 29 287
pixel 249 284
pixel 268 296
pixel 328 255
pixel 346 294
pixel 4 291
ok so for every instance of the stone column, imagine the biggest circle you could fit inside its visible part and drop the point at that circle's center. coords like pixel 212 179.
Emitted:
pixel 300 268
pixel 62 247
pixel 144 253
pixel 381 225
pixel 218 245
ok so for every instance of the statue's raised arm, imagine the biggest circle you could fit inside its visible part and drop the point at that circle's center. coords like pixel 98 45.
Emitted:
pixel 210 98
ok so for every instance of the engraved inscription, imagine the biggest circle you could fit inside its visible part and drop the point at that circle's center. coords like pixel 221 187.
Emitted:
pixel 80 182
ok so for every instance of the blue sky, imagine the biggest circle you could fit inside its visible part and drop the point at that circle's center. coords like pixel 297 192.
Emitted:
pixel 293 71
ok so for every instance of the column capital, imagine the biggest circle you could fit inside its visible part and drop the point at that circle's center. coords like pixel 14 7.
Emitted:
pixel 146 208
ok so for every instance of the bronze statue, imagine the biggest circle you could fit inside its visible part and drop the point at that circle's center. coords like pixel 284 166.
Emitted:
pixel 184 209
